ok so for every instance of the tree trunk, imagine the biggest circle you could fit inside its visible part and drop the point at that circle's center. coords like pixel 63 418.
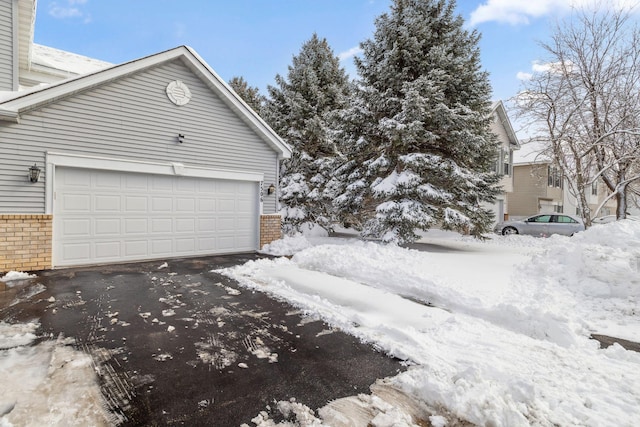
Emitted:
pixel 621 202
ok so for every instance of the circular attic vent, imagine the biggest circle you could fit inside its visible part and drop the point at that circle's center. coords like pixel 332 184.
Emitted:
pixel 178 92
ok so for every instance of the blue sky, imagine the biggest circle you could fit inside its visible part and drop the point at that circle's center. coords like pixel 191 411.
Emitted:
pixel 256 39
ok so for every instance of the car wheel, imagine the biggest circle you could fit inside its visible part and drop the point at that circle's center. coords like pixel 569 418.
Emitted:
pixel 509 230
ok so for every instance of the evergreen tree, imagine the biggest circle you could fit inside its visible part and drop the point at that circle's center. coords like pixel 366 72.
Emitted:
pixel 417 131
pixel 250 95
pixel 299 109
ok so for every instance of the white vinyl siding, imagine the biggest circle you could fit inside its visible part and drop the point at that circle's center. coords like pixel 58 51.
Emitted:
pixel 131 118
pixel 108 216
pixel 7 33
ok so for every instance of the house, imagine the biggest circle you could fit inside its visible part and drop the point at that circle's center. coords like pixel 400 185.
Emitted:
pixel 150 159
pixel 537 188
pixel 540 187
pixel 502 128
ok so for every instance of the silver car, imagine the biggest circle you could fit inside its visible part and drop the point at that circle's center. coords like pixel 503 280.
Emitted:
pixel 542 225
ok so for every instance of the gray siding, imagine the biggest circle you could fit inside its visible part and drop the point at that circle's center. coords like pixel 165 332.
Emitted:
pixel 131 118
pixel 7 68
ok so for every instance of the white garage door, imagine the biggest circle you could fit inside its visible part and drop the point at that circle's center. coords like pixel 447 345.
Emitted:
pixel 104 216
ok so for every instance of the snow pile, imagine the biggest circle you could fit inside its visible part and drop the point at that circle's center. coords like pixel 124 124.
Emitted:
pixel 16 275
pixel 49 383
pixel 498 330
pixel 597 273
pixel 287 246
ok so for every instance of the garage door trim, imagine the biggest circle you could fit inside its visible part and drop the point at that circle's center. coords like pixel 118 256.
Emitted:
pixel 126 165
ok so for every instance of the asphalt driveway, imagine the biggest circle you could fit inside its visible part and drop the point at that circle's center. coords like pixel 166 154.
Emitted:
pixel 181 345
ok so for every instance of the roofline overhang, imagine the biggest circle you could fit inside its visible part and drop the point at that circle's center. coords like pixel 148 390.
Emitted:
pixel 29 100
pixel 500 109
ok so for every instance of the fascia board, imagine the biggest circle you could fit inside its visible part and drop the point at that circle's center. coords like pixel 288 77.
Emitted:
pixel 66 88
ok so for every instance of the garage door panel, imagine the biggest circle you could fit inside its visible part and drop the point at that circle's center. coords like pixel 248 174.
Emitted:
pixel 107 203
pixel 161 204
pixel 226 242
pixel 186 245
pixel 135 225
pixel 206 205
pixel 206 244
pixel 136 248
pixel 188 185
pixel 244 240
pixel 77 252
pixel 135 204
pixel 161 247
pixel 226 224
pixel 185 225
pixel 77 227
pixel 107 250
pixel 244 223
pixel 103 216
pixel 106 226
pixel 226 205
pixel 136 182
pixel 161 225
pixel 227 187
pixel 206 225
pixel 107 181
pixel 185 205
pixel 207 187
pixel 75 179
pixel 76 202
pixel 162 183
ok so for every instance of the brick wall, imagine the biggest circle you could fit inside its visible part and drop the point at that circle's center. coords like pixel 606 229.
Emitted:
pixel 25 242
pixel 270 228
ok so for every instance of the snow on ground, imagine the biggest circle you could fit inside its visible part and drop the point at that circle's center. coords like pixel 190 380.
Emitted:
pixel 49 383
pixel 497 331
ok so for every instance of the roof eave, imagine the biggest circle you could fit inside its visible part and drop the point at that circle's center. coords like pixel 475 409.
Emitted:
pixel 64 88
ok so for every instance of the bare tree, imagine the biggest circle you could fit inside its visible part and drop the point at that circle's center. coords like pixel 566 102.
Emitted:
pixel 584 104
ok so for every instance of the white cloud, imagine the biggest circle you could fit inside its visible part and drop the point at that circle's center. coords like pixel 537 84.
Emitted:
pixel 521 75
pixel 349 53
pixel 516 12
pixel 544 67
pixel 69 9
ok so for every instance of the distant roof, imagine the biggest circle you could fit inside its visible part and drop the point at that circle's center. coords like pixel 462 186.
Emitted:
pixel 500 110
pixel 68 62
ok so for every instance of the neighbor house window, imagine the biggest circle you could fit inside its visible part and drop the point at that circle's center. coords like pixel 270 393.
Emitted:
pixel 507 162
pixel 558 208
pixel 554 177
pixel 594 188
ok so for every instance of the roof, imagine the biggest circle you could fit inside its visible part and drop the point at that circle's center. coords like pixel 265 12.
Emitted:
pixel 500 110
pixel 12 104
pixel 61 61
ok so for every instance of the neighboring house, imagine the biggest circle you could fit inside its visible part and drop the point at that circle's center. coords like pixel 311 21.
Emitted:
pixel 540 187
pixel 149 159
pixel 502 128
pixel 537 188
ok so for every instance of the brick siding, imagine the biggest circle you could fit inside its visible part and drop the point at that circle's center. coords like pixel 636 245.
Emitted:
pixel 25 242
pixel 270 228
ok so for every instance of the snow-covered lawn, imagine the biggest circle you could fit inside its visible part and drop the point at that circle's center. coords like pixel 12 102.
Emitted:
pixel 495 333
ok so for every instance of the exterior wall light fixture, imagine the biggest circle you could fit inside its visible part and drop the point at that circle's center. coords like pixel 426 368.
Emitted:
pixel 34 173
pixel 180 138
pixel 271 189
